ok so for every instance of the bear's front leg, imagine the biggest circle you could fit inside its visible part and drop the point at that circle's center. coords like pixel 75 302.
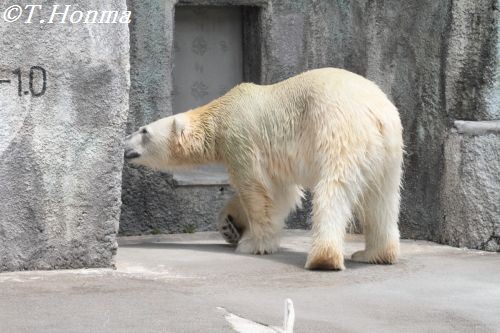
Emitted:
pixel 263 233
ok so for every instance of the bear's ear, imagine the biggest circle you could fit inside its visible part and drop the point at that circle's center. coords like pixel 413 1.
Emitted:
pixel 178 125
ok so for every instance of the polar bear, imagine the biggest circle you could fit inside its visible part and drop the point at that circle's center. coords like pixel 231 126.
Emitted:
pixel 327 130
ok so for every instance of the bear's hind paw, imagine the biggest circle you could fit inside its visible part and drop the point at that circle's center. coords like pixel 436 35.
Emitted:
pixel 386 258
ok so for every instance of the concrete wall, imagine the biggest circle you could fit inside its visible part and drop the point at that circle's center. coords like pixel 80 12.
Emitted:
pixel 61 152
pixel 437 60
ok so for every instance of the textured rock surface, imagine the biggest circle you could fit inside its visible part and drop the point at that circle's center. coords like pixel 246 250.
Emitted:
pixel 145 196
pixel 437 60
pixel 61 153
pixel 472 68
pixel 471 193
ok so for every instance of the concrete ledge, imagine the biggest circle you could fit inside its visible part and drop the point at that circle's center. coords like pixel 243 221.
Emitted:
pixel 477 127
pixel 202 176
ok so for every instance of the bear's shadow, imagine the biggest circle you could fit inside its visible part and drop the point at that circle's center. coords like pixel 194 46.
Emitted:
pixel 284 255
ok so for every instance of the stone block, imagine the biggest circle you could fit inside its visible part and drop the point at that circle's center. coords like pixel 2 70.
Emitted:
pixel 471 186
pixel 61 132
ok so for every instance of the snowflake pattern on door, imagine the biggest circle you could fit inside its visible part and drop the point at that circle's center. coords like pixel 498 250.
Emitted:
pixel 199 46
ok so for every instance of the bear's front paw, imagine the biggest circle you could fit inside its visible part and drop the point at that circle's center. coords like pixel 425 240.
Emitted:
pixel 325 257
pixel 229 231
pixel 252 245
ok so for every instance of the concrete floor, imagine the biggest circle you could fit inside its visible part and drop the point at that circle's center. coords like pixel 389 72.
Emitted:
pixel 174 283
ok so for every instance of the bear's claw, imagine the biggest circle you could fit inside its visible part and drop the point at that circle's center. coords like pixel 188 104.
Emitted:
pixel 229 231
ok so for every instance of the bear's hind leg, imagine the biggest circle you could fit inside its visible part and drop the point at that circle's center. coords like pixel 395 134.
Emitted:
pixel 378 214
pixel 332 205
pixel 379 221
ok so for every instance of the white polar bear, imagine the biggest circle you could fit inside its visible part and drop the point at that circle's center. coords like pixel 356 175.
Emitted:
pixel 326 130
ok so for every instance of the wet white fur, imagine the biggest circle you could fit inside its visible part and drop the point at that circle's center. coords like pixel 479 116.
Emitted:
pixel 327 130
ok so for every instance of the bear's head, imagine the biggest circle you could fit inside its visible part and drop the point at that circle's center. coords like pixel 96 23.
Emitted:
pixel 157 145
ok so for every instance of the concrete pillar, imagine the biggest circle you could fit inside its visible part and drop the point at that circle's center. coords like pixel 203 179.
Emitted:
pixel 63 109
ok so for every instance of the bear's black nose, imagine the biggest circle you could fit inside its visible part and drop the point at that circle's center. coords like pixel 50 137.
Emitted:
pixel 130 154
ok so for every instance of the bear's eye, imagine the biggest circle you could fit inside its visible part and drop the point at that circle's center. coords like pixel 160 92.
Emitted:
pixel 144 131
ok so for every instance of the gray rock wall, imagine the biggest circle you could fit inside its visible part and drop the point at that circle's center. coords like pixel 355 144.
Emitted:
pixel 61 152
pixel 472 66
pixel 146 194
pixel 437 60
pixel 399 45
